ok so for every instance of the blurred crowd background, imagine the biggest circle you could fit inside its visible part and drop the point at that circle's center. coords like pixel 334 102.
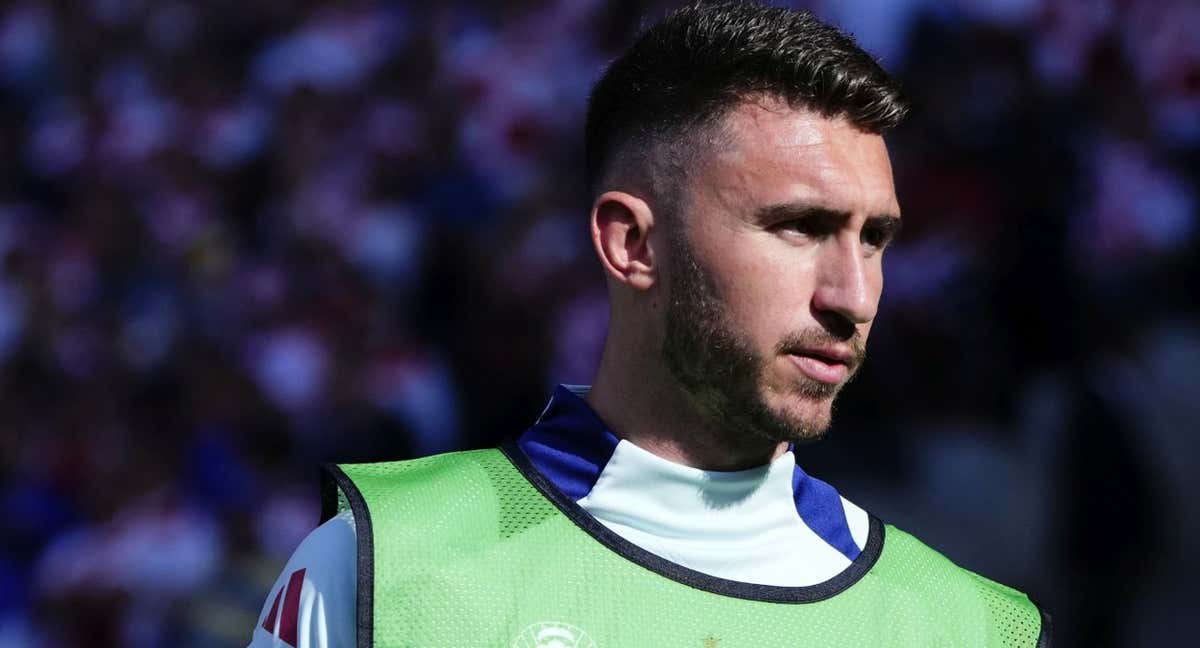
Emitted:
pixel 239 238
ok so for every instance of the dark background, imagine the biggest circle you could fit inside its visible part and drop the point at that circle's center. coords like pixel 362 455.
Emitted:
pixel 240 238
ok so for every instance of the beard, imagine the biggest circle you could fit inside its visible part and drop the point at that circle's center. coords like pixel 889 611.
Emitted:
pixel 723 373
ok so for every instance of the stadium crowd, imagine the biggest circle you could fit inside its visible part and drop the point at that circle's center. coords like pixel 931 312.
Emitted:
pixel 241 238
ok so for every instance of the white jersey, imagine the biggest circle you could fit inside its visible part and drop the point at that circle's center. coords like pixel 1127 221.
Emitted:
pixel 747 526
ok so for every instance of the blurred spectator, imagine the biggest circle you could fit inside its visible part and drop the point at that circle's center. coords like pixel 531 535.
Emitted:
pixel 235 243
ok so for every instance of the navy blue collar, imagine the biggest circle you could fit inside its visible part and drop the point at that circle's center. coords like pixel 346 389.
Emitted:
pixel 570 446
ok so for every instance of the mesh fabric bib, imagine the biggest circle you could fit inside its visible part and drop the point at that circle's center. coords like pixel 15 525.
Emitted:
pixel 477 549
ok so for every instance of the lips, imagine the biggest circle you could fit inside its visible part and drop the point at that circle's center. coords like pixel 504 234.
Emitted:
pixel 827 365
pixel 830 354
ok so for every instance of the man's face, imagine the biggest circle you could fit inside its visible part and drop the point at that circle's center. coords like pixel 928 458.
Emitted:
pixel 775 269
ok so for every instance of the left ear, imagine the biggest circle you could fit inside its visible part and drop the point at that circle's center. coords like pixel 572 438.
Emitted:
pixel 621 225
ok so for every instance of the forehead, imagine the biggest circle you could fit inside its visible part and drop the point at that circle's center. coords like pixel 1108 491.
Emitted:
pixel 768 153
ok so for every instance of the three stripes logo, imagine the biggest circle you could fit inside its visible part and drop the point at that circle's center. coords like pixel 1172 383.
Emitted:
pixel 283 623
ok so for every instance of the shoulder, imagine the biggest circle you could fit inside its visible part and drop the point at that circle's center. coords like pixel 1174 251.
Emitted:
pixel 413 471
pixel 909 561
pixel 407 507
pixel 921 574
pixel 312 603
pixel 415 486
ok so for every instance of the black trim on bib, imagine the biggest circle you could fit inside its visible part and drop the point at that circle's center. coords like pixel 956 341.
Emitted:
pixel 1046 636
pixel 685 575
pixel 329 495
pixel 334 478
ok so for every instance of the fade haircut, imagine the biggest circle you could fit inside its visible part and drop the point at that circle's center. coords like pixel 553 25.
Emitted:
pixel 659 103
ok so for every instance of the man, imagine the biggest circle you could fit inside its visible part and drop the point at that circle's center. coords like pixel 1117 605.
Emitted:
pixel 743 199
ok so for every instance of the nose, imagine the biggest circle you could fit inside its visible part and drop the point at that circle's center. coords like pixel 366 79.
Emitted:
pixel 848 284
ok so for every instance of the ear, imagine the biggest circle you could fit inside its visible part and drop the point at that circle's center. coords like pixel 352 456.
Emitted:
pixel 621 225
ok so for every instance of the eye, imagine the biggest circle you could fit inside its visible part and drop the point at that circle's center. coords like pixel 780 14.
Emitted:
pixel 879 235
pixel 874 238
pixel 799 226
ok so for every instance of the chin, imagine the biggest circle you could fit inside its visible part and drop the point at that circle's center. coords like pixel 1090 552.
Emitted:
pixel 806 429
pixel 801 418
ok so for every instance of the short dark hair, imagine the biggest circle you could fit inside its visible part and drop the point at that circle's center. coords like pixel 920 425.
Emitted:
pixel 688 71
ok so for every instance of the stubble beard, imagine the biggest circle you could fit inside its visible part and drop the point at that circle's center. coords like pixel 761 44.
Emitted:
pixel 724 375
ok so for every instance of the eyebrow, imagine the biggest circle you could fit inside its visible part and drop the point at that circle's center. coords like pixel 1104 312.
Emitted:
pixel 824 218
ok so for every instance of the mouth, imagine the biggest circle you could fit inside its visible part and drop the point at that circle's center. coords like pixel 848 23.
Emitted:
pixel 829 366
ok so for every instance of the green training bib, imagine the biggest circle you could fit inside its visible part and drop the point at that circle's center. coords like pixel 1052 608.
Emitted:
pixel 478 549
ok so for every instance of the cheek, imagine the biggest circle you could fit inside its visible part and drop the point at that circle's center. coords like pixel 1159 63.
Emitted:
pixel 768 297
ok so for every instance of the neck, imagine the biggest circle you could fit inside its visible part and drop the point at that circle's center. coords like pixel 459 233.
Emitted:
pixel 640 401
